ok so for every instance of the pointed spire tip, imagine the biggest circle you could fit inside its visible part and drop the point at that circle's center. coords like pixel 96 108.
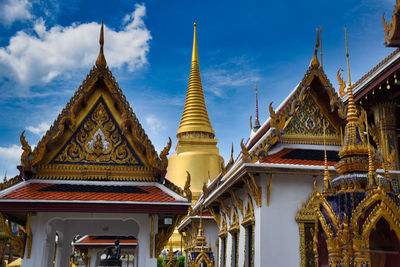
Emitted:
pixel 101 62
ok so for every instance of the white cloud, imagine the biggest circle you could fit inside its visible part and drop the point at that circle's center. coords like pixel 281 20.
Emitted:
pixel 218 81
pixel 40 129
pixel 9 159
pixel 13 10
pixel 155 124
pixel 47 54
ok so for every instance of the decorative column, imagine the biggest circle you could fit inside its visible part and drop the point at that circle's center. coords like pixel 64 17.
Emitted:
pixel 361 252
pixel 334 253
pixel 385 118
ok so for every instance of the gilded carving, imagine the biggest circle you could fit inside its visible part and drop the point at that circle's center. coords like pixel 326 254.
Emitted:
pixel 226 209
pixel 27 151
pixel 237 201
pixel 17 241
pixel 188 192
pixel 97 141
pixel 271 177
pixel 254 189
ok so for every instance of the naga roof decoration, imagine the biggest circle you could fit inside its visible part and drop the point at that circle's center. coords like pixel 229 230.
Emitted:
pixel 313 83
pixel 76 145
pixel 392 30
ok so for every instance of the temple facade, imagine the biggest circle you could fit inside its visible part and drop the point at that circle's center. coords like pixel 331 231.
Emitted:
pixel 317 184
pixel 94 173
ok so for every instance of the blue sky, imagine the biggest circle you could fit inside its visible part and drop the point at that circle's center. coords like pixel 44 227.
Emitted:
pixel 48 47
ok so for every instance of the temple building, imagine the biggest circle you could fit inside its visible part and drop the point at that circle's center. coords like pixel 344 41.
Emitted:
pixel 96 173
pixel 317 184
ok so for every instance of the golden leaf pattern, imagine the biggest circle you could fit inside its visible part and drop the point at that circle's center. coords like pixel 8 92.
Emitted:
pixel 308 120
pixel 98 140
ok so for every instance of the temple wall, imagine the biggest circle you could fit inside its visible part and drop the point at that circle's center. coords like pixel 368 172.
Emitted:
pixel 68 225
pixel 276 231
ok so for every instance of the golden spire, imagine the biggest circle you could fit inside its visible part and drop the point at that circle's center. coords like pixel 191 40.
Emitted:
pixel 101 62
pixel 314 61
pixel 327 178
pixel 347 57
pixel 320 40
pixel 231 160
pixel 256 122
pixel 195 117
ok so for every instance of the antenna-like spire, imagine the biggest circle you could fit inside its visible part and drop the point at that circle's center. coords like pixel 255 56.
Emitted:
pixel 320 41
pixel 347 56
pixel 314 61
pixel 101 62
pixel 195 54
pixel 256 122
pixel 327 178
pixel 231 160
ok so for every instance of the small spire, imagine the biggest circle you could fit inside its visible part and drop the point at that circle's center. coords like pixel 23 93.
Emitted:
pixel 384 153
pixel 347 57
pixel 101 62
pixel 256 122
pixel 231 160
pixel 5 176
pixel 314 61
pixel 320 41
pixel 327 178
pixel 195 54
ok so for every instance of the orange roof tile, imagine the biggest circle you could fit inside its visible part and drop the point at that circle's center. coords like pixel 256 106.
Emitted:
pixel 277 158
pixel 44 191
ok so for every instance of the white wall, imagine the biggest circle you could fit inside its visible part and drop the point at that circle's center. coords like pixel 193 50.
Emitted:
pixel 68 225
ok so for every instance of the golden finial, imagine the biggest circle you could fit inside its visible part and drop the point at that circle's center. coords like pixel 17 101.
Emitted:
pixel 347 57
pixel 231 159
pixel 195 54
pixel 195 116
pixel 314 61
pixel 320 41
pixel 327 178
pixel 256 121
pixel 5 177
pixel 384 153
pixel 101 62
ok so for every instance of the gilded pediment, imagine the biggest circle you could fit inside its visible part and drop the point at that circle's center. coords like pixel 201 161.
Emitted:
pixel 98 141
pixel 306 125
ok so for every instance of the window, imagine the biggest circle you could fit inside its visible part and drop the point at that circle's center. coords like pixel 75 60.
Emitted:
pixel 223 251
pixel 249 246
pixel 235 248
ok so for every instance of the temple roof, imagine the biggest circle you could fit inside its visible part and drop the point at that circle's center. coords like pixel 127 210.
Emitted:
pixel 36 195
pixel 195 117
pixel 97 136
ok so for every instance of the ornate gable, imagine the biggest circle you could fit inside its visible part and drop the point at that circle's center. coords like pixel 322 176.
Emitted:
pixel 96 136
pixel 306 125
pixel 98 141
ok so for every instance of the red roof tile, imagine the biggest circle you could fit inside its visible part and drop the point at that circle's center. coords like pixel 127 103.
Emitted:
pixel 277 158
pixel 38 191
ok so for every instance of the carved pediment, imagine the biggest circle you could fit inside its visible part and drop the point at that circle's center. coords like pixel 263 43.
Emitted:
pixel 98 141
pixel 306 125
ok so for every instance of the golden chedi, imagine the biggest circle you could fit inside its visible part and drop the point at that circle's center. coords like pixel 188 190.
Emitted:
pixel 196 150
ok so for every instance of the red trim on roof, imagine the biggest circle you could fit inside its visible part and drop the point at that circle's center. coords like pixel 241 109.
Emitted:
pixel 32 192
pixel 22 206
pixel 277 159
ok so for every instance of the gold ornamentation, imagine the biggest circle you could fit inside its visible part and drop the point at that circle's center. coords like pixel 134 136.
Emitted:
pixel 254 189
pixel 314 61
pixel 84 254
pixel 164 153
pixel 164 235
pixel 392 34
pixel 205 191
pixel 29 235
pixel 226 210
pixel 234 226
pixel 97 141
pixel 152 235
pixel 188 192
pixel 249 218
pixel 342 83
pixel 101 62
pixel 27 151
pixel 246 155
pixel 217 216
pixel 223 229
pixel 271 177
pixel 238 201
pixel 17 241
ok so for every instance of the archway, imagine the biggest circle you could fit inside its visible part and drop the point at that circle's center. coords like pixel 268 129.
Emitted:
pixel 384 246
pixel 322 248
